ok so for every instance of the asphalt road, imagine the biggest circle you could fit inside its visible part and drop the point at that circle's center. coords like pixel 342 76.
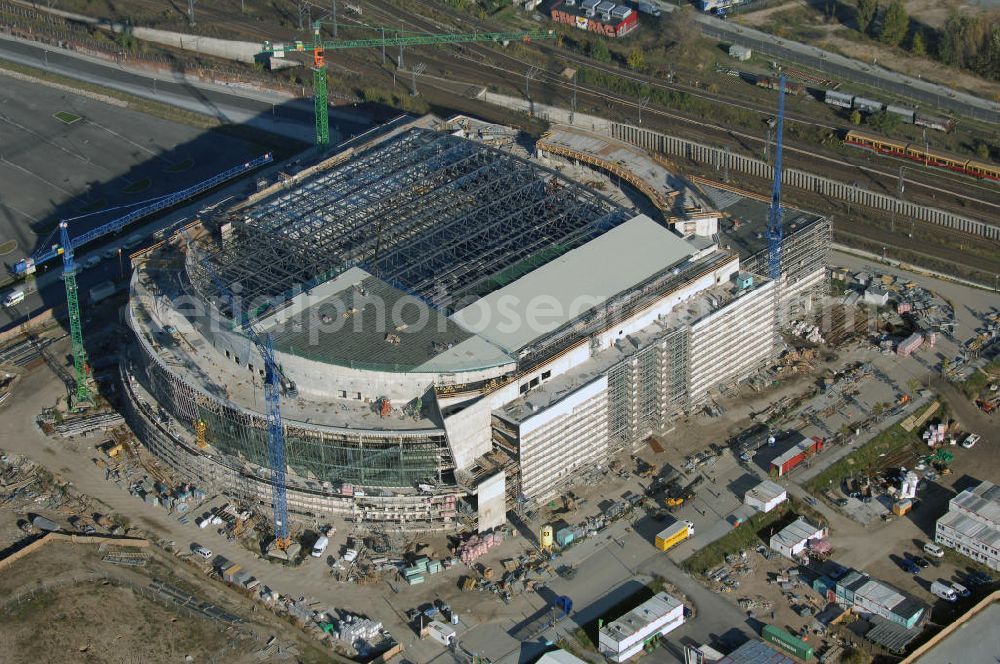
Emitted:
pixel 923 93
pixel 58 177
pixel 270 112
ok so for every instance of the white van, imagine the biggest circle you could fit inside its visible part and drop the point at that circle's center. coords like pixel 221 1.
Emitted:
pixel 932 549
pixel 13 297
pixel 944 591
pixel 320 546
pixel 203 552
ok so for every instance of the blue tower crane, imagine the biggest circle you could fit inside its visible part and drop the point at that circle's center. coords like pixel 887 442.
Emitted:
pixel 66 246
pixel 775 233
pixel 273 383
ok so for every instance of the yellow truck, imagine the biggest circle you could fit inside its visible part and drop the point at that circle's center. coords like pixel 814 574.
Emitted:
pixel 674 534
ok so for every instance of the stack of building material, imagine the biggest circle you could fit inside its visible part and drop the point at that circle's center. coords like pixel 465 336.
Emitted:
pixel 476 546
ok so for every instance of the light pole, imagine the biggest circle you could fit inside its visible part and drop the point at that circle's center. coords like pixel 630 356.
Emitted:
pixel 121 268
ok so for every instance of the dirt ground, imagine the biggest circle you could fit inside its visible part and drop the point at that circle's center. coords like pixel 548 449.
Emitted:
pixel 83 620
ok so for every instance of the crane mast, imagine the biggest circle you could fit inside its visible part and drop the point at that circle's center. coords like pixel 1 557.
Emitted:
pixel 775 233
pixel 318 48
pixel 67 245
pixel 273 383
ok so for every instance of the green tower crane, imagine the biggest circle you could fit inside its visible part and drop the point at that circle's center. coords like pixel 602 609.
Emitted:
pixel 319 47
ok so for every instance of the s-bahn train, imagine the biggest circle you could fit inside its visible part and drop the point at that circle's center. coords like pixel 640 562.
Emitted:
pixel 920 154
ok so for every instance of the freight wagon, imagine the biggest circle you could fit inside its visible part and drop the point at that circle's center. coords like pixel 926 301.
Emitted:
pixel 907 115
pixel 794 89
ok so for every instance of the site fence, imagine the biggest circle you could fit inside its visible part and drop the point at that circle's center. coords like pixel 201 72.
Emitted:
pixel 792 177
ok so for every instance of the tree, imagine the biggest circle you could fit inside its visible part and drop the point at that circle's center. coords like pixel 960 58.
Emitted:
pixel 855 117
pixel 917 46
pixel 599 51
pixel 679 27
pixel 635 60
pixel 895 24
pixel 867 11
pixel 852 656
pixel 982 150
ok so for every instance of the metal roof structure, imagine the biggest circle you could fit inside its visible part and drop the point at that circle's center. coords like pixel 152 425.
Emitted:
pixel 880 593
pixel 983 501
pixel 638 618
pixel 756 652
pixel 766 491
pixel 892 635
pixel 574 283
pixel 796 532
pixel 437 216
pixel 801 446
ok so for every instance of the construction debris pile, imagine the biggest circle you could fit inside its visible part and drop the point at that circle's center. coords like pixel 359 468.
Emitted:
pixel 27 488
pixel 53 423
pixel 807 331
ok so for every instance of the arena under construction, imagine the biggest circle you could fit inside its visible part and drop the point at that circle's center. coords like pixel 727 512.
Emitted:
pixel 459 328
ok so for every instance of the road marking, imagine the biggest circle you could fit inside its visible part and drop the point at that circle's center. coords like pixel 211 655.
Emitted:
pixel 39 177
pixel 48 141
pixel 152 153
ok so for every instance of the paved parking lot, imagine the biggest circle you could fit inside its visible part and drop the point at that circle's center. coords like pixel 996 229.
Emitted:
pixel 63 155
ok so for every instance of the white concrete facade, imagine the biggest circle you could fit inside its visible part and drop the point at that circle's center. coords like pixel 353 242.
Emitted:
pixel 567 436
pixel 731 343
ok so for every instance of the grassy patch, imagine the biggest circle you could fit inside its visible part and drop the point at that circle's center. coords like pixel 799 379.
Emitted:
pixel 977 382
pixel 180 167
pixel 67 117
pixel 866 457
pixel 748 535
pixel 138 186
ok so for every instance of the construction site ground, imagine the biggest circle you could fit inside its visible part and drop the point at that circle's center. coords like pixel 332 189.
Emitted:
pixel 84 619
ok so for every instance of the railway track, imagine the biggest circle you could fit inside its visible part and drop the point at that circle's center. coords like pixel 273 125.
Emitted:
pixel 922 187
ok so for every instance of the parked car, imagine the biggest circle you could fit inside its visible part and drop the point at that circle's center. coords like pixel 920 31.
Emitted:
pixel 201 551
pixel 918 561
pixel 979 579
pixel 970 441
pixel 908 566
pixel 960 589
pixel 842 502
pixel 944 591
pixel 932 549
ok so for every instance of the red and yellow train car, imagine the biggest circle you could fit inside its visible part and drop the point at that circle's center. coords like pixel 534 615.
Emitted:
pixel 919 153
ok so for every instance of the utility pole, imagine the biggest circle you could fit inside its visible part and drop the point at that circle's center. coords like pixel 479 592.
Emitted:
pixel 532 72
pixel 333 18
pixel 572 105
pixel 191 4
pixel 417 69
pixel 400 63
pixel 383 45
pixel 642 104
